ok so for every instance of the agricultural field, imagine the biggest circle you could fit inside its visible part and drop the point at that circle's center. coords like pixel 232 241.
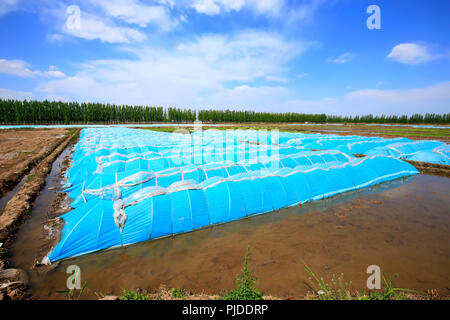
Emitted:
pixel 332 223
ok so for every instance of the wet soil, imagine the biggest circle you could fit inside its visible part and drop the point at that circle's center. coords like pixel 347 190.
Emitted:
pixel 431 168
pixel 401 226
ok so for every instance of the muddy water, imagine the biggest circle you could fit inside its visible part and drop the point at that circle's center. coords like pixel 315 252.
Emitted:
pixel 401 226
pixel 28 240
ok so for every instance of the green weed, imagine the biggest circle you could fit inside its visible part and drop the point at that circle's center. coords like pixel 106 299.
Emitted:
pixel 73 294
pixel 245 285
pixel 179 293
pixel 130 295
pixel 339 289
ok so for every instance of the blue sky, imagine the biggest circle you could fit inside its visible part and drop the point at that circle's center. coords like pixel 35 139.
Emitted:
pixel 269 55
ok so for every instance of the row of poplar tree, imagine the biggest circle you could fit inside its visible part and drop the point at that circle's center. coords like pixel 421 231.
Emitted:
pixel 54 112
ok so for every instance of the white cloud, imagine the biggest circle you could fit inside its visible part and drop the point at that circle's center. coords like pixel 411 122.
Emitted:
pixel 54 37
pixel 208 7
pixel 190 73
pixel 16 68
pixel 435 98
pixel 304 12
pixel 136 12
pixel 262 98
pixel 214 7
pixel 54 72
pixel 191 76
pixel 230 5
pixel 16 95
pixel 277 79
pixel 293 13
pixel 8 5
pixel 183 18
pixel 21 69
pixel 169 3
pixel 93 25
pixel 410 53
pixel 96 27
pixel 269 7
pixel 343 58
pixel 196 74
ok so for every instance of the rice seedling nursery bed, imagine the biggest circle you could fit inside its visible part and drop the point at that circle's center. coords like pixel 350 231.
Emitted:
pixel 127 186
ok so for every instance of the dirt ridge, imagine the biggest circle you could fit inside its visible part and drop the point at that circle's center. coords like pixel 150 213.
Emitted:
pixel 431 168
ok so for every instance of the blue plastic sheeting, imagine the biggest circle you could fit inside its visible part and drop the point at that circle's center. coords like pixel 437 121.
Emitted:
pixel 173 147
pixel 423 151
pixel 361 147
pixel 402 148
pixel 155 212
pixel 349 144
pixel 433 156
pixel 128 181
pixel 158 151
pixel 127 186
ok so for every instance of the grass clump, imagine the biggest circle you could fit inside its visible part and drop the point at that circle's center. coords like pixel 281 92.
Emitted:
pixel 30 177
pixel 389 292
pixel 245 285
pixel 339 289
pixel 130 295
pixel 74 294
pixel 179 293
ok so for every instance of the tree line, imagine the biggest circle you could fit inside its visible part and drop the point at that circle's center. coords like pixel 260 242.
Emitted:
pixel 53 112
pixel 56 112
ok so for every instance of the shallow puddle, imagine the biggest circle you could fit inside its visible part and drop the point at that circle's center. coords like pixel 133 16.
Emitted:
pixel 401 226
